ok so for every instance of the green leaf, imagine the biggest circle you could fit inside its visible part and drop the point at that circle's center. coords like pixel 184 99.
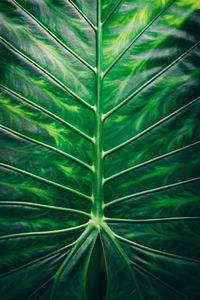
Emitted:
pixel 100 143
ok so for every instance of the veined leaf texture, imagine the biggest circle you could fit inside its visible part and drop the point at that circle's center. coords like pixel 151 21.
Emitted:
pixel 99 149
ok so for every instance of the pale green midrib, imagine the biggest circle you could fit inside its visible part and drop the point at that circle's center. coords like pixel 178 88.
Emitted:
pixel 97 209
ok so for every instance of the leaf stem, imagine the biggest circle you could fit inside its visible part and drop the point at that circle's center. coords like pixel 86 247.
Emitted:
pixel 97 209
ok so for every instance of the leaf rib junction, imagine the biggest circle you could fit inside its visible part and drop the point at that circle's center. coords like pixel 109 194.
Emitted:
pixel 7 166
pixel 54 37
pixel 161 188
pixel 83 15
pixel 47 112
pixel 82 163
pixel 151 80
pixel 151 161
pixel 148 129
pixel 37 66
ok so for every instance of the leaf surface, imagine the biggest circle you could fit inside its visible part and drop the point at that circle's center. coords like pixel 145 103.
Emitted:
pixel 100 149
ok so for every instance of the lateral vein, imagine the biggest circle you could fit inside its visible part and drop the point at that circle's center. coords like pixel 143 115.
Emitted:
pixel 7 166
pixel 142 87
pixel 137 37
pixel 150 274
pixel 23 136
pixel 170 219
pixel 37 66
pixel 151 161
pixel 82 14
pixel 47 112
pixel 148 129
pixel 161 188
pixel 112 12
pixel 68 49
pixel 158 252
pixel 28 234
pixel 44 206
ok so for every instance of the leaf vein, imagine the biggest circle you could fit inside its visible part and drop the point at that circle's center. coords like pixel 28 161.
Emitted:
pixel 137 37
pixel 151 161
pixel 47 146
pixel 56 38
pixel 45 206
pixel 158 252
pixel 148 129
pixel 47 112
pixel 40 233
pixel 53 183
pixel 37 66
pixel 142 87
pixel 161 188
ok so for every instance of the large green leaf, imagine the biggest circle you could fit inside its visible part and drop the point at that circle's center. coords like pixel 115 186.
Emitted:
pixel 100 149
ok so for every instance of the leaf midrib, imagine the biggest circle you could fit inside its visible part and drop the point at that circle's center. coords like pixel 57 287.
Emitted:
pixel 97 193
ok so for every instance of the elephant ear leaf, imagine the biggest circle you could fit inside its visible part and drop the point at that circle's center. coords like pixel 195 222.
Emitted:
pixel 99 149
